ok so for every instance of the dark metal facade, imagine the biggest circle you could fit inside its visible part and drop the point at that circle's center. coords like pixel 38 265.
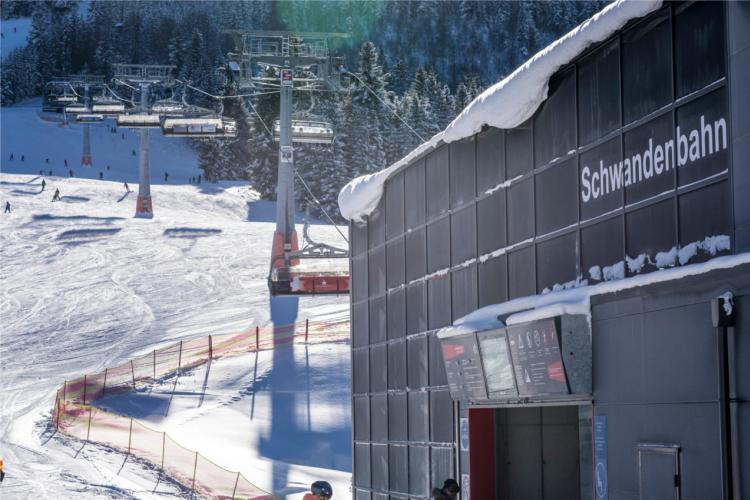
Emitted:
pixel 506 214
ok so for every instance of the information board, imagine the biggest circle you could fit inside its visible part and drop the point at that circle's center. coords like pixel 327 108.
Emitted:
pixel 463 367
pixel 537 364
pixel 498 370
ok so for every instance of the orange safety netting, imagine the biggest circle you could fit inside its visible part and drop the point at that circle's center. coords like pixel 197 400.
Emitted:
pixel 75 415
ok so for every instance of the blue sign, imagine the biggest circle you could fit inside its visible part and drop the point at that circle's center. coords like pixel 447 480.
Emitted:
pixel 464 434
pixel 600 457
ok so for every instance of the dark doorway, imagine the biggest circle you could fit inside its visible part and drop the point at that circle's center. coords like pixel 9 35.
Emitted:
pixel 537 453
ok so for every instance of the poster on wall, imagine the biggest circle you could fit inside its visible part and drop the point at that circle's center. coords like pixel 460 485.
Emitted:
pixel 498 370
pixel 537 363
pixel 465 487
pixel 464 431
pixel 600 457
pixel 463 367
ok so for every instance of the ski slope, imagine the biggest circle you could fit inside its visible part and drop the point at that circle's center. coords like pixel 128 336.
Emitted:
pixel 85 286
pixel 24 133
pixel 15 34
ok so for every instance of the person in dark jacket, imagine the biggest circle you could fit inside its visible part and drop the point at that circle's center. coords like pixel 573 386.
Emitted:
pixel 7 207
pixel 319 490
pixel 56 196
pixel 44 184
pixel 449 491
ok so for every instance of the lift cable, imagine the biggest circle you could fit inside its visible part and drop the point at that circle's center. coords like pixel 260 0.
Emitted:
pixel 118 97
pixel 74 91
pixel 220 97
pixel 319 205
pixel 126 84
pixel 386 104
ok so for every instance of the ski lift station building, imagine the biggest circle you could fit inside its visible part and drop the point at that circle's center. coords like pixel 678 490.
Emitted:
pixel 551 298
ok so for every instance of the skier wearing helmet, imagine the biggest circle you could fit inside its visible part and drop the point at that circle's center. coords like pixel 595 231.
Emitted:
pixel 319 490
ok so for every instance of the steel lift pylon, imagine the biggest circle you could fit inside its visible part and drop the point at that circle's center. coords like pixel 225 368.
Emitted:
pixel 290 52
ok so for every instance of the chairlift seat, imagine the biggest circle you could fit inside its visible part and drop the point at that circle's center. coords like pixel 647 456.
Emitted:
pixel 199 127
pixel 307 132
pixel 77 110
pixel 89 117
pixel 138 120
pixel 109 109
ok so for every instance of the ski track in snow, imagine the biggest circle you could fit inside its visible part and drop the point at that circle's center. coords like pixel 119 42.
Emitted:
pixel 85 286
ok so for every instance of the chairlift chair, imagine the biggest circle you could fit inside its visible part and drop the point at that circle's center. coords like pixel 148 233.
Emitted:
pixel 199 127
pixel 138 120
pixel 89 117
pixel 306 131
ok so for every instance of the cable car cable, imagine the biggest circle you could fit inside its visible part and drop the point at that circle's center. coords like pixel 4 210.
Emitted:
pixel 386 104
pixel 319 205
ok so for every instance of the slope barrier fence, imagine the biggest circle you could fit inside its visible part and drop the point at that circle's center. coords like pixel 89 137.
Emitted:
pixel 75 414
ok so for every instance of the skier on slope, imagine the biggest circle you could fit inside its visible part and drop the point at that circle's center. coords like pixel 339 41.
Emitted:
pixel 44 184
pixel 2 471
pixel 7 207
pixel 56 196
pixel 319 490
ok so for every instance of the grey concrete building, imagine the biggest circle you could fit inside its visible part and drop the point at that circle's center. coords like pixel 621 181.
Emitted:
pixel 632 180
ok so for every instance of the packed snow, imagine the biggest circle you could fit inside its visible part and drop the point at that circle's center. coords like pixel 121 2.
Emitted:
pixel 504 105
pixel 85 286
pixel 280 417
pixel 15 34
pixel 46 145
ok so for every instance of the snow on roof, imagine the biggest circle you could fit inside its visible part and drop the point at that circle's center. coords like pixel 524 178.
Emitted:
pixel 506 104
pixel 576 300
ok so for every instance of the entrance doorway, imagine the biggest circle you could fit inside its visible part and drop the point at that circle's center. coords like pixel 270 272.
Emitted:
pixel 537 453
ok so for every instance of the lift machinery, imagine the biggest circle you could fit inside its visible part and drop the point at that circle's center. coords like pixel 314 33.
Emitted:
pixel 299 61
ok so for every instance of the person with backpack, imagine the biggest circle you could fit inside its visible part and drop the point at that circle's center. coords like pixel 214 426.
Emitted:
pixel 449 491
pixel 319 490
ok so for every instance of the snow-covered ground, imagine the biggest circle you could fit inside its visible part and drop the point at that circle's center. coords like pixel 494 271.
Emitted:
pixel 15 34
pixel 280 417
pixel 25 133
pixel 86 286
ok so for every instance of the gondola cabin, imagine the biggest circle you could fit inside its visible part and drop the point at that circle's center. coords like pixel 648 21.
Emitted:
pixel 307 132
pixel 199 127
pixel 138 120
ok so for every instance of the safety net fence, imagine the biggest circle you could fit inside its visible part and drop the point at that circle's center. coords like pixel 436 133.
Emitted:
pixel 76 415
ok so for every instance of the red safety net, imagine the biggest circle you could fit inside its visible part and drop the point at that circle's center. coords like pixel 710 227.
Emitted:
pixel 75 415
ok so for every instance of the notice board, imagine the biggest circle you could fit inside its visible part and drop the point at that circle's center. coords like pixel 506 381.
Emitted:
pixel 537 363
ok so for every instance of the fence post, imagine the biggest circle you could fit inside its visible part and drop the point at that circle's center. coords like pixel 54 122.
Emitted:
pixel 104 387
pixel 84 389
pixel 57 412
pixel 132 372
pixel 195 469
pixel 234 491
pixel 154 364
pixel 88 431
pixel 210 348
pixel 257 338
pixel 130 435
pixel 179 359
pixel 307 328
pixel 163 445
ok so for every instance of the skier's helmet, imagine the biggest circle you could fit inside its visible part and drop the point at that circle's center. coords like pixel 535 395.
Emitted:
pixel 322 489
